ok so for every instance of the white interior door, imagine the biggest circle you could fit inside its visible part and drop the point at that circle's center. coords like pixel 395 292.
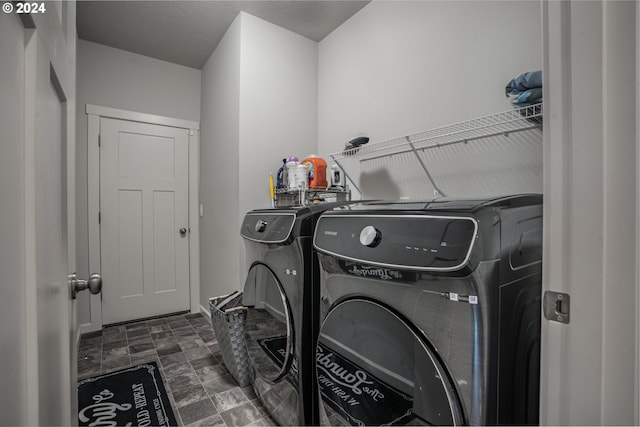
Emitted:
pixel 144 231
pixel 50 328
pixel 13 353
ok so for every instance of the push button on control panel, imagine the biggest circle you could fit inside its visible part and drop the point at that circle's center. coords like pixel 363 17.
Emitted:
pixel 370 236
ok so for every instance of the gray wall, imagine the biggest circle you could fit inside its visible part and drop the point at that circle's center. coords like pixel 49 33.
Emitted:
pixel 219 164
pixel 403 67
pixel 259 105
pixel 278 105
pixel 115 78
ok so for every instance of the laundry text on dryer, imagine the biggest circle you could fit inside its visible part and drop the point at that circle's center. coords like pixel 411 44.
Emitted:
pixel 379 272
pixel 358 381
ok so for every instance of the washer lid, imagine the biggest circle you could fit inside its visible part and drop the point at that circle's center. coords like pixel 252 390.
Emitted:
pixel 449 204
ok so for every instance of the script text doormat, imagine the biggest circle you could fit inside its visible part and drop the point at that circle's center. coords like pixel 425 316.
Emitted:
pixel 133 396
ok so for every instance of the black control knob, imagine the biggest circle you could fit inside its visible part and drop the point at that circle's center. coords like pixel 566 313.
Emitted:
pixel 370 236
pixel 261 225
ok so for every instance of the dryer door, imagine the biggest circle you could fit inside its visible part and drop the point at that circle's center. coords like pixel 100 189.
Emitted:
pixel 375 369
pixel 268 331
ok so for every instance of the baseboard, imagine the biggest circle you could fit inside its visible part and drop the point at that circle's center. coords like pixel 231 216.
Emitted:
pixel 205 311
pixel 76 339
pixel 87 327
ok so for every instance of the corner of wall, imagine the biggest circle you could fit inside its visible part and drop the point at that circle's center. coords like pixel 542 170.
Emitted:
pixel 220 92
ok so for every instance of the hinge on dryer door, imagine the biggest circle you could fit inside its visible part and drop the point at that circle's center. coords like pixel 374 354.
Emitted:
pixel 99 217
pixel 99 140
pixel 556 306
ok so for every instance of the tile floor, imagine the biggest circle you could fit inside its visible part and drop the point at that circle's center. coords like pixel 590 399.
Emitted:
pixel 201 391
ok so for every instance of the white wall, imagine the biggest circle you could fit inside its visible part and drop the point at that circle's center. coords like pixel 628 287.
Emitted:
pixel 278 105
pixel 115 78
pixel 259 105
pixel 219 163
pixel 402 67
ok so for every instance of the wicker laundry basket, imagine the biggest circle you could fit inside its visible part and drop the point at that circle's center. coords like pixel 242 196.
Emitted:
pixel 227 317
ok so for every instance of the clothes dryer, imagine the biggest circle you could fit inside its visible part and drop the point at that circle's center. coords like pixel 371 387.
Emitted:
pixel 430 312
pixel 281 293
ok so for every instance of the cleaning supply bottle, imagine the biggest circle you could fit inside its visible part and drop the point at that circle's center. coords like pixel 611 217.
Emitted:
pixel 272 192
pixel 301 174
pixel 337 179
pixel 317 171
pixel 281 175
pixel 291 164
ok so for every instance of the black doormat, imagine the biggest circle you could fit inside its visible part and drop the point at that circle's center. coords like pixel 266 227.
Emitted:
pixel 133 396
pixel 275 348
pixel 355 394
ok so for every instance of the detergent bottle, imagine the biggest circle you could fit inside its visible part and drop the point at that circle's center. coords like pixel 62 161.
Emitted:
pixel 317 171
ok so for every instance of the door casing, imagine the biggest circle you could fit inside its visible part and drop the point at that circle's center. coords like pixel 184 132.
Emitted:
pixel 94 114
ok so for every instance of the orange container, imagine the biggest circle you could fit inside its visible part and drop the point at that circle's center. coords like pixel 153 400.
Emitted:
pixel 317 170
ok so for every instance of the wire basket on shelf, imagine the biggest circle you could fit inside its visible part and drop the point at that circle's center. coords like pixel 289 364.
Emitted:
pixel 228 317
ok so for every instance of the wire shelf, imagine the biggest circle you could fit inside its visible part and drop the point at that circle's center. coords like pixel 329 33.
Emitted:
pixel 506 156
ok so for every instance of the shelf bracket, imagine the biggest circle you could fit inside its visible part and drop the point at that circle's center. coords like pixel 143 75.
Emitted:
pixel 437 191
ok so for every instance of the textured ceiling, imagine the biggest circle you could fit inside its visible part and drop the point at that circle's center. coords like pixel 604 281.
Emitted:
pixel 187 32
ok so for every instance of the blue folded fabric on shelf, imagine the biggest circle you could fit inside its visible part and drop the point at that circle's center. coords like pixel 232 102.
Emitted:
pixel 525 89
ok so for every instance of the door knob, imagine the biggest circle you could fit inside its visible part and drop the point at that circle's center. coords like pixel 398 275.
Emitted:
pixel 94 284
pixel 183 232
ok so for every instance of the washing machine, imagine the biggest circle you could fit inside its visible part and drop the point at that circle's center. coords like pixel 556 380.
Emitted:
pixel 430 312
pixel 281 293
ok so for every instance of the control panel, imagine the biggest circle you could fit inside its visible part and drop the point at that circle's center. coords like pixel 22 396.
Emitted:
pixel 420 242
pixel 267 227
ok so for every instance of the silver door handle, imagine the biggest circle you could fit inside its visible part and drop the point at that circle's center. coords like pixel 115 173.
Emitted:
pixel 94 284
pixel 183 232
